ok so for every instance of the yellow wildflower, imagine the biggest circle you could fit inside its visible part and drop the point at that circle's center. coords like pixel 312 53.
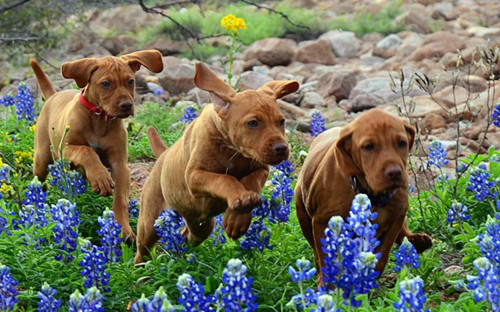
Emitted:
pixel 233 23
pixel 5 188
pixel 21 155
pixel 32 128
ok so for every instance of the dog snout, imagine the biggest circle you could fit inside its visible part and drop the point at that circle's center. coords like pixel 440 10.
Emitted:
pixel 281 148
pixel 126 106
pixel 393 172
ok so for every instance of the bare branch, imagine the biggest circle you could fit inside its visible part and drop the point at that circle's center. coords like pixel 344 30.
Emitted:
pixel 13 5
pixel 275 12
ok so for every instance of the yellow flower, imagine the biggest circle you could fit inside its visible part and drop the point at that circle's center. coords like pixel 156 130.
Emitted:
pixel 4 189
pixel 233 23
pixel 32 128
pixel 21 155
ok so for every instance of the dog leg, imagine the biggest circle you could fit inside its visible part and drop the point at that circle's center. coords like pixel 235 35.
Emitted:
pixel 198 230
pixel 421 241
pixel 387 240
pixel 121 176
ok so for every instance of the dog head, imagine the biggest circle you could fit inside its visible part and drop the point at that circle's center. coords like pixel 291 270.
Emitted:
pixel 251 120
pixel 110 81
pixel 375 146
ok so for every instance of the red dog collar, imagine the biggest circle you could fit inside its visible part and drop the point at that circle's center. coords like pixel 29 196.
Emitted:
pixel 93 108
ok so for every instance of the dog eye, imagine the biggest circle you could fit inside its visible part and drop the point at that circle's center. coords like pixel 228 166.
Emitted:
pixel 253 123
pixel 369 146
pixel 282 122
pixel 131 82
pixel 105 84
pixel 402 143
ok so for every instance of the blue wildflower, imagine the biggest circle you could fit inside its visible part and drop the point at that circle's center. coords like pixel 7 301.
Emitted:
pixel 317 123
pixel 257 236
pixel 169 226
pixel 189 114
pixel 159 303
pixel 5 172
pixel 479 183
pixel 325 303
pixel 93 264
pixel 66 218
pixel 92 301
pixel 411 295
pixel 406 256
pixel 8 294
pixel 496 115
pixel 457 210
pixel 8 100
pixel 47 299
pixel 236 292
pixel 35 194
pixel 281 197
pixel 303 273
pixel 133 208
pixel 69 181
pixel 304 300
pixel 218 232
pixel 110 235
pixel 437 156
pixel 349 249
pixel 192 295
pixel 4 213
pixel 25 108
pixel 158 91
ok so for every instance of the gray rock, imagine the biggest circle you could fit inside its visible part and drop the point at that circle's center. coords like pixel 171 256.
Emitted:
pixel 343 43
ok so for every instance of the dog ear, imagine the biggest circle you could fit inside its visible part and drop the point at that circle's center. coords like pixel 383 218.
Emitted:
pixel 343 154
pixel 410 132
pixel 206 79
pixel 151 59
pixel 79 70
pixel 280 88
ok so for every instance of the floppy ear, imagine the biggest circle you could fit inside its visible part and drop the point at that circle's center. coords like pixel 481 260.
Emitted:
pixel 206 79
pixel 79 70
pixel 151 59
pixel 280 88
pixel 410 132
pixel 343 153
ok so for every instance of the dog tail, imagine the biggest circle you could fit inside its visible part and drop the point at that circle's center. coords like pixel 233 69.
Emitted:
pixel 43 80
pixel 157 144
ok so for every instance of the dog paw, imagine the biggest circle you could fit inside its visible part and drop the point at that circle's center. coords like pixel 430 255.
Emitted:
pixel 102 183
pixel 236 224
pixel 421 241
pixel 246 202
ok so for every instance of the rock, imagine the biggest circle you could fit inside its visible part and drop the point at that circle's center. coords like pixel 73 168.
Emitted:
pixel 114 45
pixel 337 83
pixel 433 121
pixel 415 21
pixel 177 79
pixel 312 100
pixel 252 80
pixel 344 43
pixel 272 51
pixel 318 51
pixel 387 47
pixel 168 47
pixel 437 45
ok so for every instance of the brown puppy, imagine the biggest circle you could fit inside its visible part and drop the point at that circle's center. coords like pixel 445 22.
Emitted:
pixel 219 165
pixel 96 138
pixel 367 156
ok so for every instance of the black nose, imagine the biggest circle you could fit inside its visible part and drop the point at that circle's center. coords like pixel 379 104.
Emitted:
pixel 126 106
pixel 281 148
pixel 393 172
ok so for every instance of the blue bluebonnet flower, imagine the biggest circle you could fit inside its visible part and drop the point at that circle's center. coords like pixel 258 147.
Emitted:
pixel 304 300
pixel 349 249
pixel 479 183
pixel 159 303
pixel 497 216
pixel 133 208
pixel 406 256
pixel 25 106
pixel 158 91
pixel 5 172
pixel 236 292
pixel 281 197
pixel 496 115
pixel 8 100
pixel 35 195
pixel 92 301
pixel 189 114
pixel 71 182
pixel 93 264
pixel 4 223
pixel 32 219
pixel 257 236
pixel 411 295
pixel 457 210
pixel 218 232
pixel 110 235
pixel 325 303
pixel 192 295
pixel 317 123
pixel 66 219
pixel 169 226
pixel 303 273
pixel 437 156
pixel 461 167
pixel 8 294
pixel 47 299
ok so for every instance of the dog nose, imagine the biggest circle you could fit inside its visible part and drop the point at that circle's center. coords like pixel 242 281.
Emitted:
pixel 125 106
pixel 281 148
pixel 393 172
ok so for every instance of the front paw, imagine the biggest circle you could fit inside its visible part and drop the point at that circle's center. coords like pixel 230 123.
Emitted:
pixel 421 241
pixel 245 202
pixel 236 224
pixel 101 182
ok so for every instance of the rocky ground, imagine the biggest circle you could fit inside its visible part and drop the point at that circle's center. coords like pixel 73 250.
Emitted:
pixel 340 75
